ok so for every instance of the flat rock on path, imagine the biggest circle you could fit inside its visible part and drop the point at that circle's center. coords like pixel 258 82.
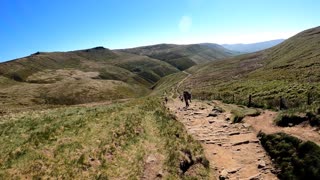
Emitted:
pixel 233 150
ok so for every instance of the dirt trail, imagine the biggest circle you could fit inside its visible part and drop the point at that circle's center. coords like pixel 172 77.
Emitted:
pixel 264 123
pixel 232 149
pixel 174 89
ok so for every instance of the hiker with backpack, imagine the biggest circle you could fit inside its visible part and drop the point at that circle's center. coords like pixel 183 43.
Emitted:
pixel 187 98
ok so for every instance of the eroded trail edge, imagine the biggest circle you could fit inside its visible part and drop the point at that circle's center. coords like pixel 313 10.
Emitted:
pixel 233 150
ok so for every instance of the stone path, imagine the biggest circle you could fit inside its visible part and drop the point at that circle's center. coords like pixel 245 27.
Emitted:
pixel 233 150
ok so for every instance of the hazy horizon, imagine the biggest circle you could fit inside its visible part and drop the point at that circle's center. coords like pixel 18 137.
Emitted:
pixel 63 26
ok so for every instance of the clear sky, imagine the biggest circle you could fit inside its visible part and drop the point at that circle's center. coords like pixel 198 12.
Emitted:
pixel 28 26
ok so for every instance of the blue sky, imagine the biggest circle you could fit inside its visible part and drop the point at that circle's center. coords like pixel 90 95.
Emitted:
pixel 28 26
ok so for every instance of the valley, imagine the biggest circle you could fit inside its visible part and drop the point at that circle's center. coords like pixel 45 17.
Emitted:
pixel 90 75
pixel 100 113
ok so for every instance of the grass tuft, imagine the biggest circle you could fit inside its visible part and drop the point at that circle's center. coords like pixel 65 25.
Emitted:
pixel 295 158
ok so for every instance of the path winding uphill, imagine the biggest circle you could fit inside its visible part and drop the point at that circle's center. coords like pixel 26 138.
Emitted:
pixel 233 150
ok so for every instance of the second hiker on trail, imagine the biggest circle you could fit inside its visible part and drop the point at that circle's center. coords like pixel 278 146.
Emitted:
pixel 166 100
pixel 187 98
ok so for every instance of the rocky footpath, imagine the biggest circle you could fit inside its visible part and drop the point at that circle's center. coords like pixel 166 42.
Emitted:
pixel 233 150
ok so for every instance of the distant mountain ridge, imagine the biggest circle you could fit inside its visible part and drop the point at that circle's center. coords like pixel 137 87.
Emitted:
pixel 183 56
pixel 96 74
pixel 252 47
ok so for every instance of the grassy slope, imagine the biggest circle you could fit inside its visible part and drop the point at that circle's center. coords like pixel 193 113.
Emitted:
pixel 97 142
pixel 164 86
pixel 290 70
pixel 86 60
pixel 296 159
pixel 88 75
pixel 183 56
pixel 67 86
pixel 149 69
pixel 39 77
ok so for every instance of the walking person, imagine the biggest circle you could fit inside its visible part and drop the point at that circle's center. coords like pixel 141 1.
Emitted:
pixel 166 100
pixel 187 98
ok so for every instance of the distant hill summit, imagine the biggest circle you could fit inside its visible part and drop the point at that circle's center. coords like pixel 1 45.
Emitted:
pixel 253 47
pixel 183 56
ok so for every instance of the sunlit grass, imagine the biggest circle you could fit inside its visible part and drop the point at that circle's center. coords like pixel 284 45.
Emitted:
pixel 94 142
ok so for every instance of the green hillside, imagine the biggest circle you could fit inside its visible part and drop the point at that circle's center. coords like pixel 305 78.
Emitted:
pixel 86 60
pixel 75 77
pixel 290 70
pixel 101 142
pixel 183 56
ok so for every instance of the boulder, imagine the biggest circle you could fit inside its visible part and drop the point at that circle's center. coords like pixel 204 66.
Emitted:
pixel 223 175
pixel 240 143
pixel 245 125
pixel 261 164
pixel 254 141
pixel 224 126
pixel 234 133
pixel 232 171
pixel 255 177
pixel 217 110
pixel 151 158
pixel 212 114
pixel 211 121
pixel 210 142
pixel 160 174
